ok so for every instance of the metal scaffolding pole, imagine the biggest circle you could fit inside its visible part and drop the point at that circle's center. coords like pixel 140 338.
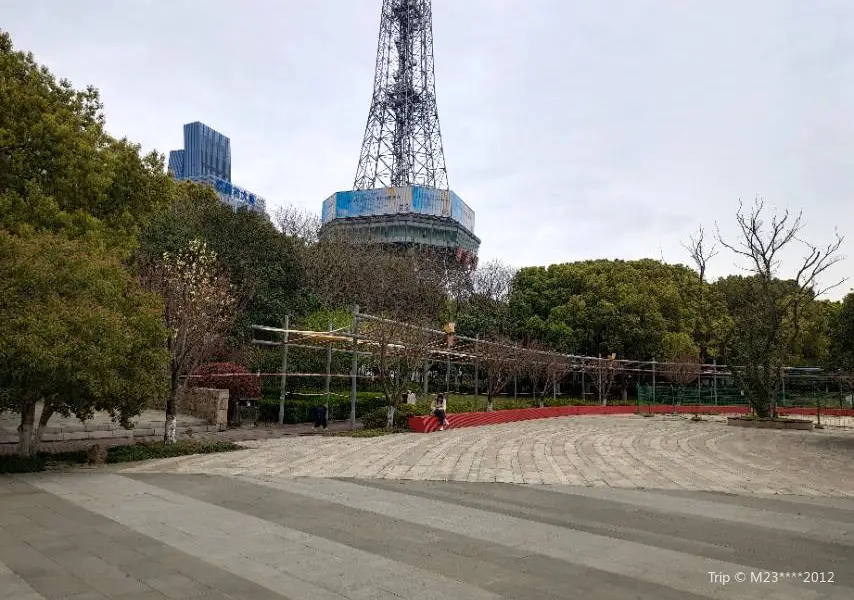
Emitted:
pixel 284 389
pixel 476 369
pixel 326 384
pixel 354 367
pixel 715 381
pixel 653 381
pixel 426 383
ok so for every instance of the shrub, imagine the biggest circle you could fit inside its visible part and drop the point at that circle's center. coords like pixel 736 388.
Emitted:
pixel 404 411
pixel 21 464
pixel 121 454
pixel 378 417
pixel 375 419
pixel 117 454
pixel 213 375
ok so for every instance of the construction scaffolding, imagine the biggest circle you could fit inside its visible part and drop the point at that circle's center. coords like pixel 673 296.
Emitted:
pixel 468 359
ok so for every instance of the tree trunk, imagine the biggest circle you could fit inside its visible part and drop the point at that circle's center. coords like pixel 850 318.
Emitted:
pixel 47 413
pixel 488 403
pixel 170 433
pixel 762 407
pixel 389 422
pixel 25 429
pixel 625 394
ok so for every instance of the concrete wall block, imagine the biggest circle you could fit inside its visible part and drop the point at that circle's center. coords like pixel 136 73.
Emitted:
pixel 101 427
pixel 204 403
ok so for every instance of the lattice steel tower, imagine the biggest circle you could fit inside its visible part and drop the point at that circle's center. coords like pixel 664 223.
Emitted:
pixel 401 195
pixel 403 143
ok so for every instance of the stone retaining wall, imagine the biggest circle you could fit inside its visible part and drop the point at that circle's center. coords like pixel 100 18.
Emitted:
pixel 208 404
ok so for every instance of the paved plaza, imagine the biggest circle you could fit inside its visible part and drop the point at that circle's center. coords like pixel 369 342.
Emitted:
pixel 618 451
pixel 411 516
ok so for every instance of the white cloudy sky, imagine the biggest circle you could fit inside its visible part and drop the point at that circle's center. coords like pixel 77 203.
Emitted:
pixel 575 129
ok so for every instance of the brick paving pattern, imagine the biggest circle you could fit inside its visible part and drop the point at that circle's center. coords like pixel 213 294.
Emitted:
pixel 655 452
pixel 108 535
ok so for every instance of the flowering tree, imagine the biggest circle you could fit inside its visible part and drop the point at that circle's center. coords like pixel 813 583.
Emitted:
pixel 199 306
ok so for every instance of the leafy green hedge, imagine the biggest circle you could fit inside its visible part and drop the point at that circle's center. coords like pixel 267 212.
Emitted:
pixel 120 454
pixel 299 410
pixel 16 464
pixel 116 454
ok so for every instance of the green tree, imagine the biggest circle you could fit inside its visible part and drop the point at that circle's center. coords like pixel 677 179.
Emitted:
pixel 77 334
pixel 602 306
pixel 256 257
pixel 73 198
pixel 842 336
pixel 59 169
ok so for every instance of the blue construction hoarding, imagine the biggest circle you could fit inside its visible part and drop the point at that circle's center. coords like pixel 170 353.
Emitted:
pixel 398 200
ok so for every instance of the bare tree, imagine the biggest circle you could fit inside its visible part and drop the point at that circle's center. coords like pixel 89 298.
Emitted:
pixel 494 280
pixel 682 366
pixel 701 252
pixel 500 361
pixel 400 350
pixel 682 372
pixel 457 279
pixel 199 307
pixel 298 222
pixel 543 368
pixel 605 373
pixel 344 269
pixel 769 313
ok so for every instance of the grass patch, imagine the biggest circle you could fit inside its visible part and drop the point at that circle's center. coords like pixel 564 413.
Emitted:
pixel 116 454
pixel 365 433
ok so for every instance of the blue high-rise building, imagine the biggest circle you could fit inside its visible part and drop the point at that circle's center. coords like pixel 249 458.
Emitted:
pixel 206 152
pixel 206 158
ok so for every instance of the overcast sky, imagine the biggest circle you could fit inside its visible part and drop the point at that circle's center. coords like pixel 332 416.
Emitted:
pixel 574 129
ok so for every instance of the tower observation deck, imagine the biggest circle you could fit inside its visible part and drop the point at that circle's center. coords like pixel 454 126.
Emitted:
pixel 400 194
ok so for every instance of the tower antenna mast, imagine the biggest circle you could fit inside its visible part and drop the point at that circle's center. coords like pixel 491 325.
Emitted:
pixel 402 145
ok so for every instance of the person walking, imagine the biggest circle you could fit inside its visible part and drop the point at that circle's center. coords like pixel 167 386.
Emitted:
pixel 320 417
pixel 440 408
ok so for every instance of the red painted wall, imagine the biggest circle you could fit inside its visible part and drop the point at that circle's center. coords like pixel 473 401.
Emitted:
pixel 475 419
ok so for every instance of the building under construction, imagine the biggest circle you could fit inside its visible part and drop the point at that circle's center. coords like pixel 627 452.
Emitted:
pixel 401 194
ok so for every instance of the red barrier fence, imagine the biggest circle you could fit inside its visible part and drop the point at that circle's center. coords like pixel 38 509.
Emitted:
pixel 476 419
